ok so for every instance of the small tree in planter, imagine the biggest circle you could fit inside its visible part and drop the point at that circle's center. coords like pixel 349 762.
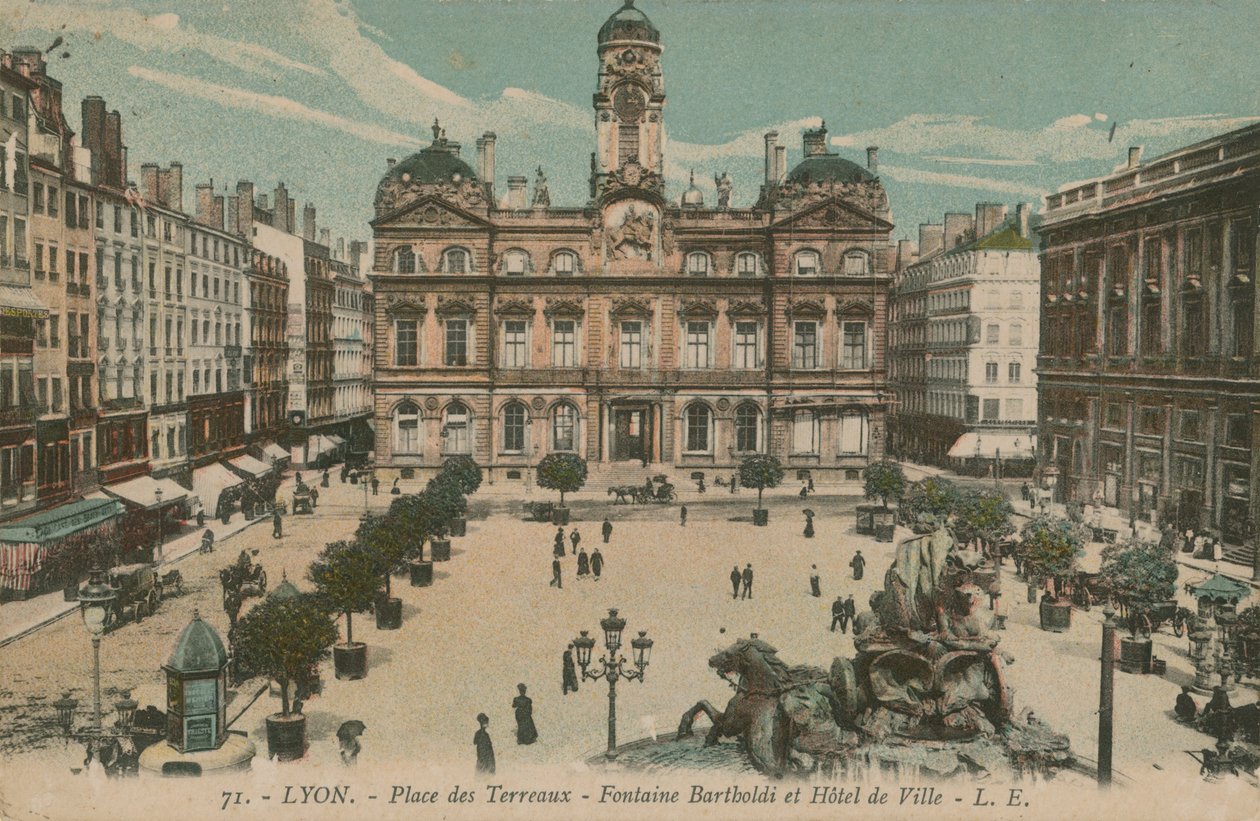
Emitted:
pixel 392 539
pixel 565 472
pixel 759 472
pixel 1140 576
pixel 462 470
pixel 932 497
pixel 285 639
pixel 983 516
pixel 1051 548
pixel 883 480
pixel 445 505
pixel 347 576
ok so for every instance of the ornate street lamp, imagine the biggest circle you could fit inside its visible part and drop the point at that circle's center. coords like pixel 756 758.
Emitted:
pixel 157 551
pixel 612 666
pixel 95 601
pixel 125 707
pixel 65 712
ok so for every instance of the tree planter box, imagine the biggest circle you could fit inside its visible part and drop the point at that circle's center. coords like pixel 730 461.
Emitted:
pixel 388 614
pixel 286 737
pixel 350 660
pixel 884 530
pixel 459 527
pixel 440 550
pixel 560 516
pixel 868 516
pixel 421 573
pixel 1056 616
pixel 70 593
pixel 761 516
pixel 1135 655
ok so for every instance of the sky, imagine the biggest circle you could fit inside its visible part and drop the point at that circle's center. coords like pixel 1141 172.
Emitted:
pixel 968 100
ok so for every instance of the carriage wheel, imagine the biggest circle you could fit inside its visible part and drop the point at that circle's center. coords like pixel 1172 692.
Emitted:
pixel 1179 627
pixel 155 598
pixel 262 581
pixel 139 609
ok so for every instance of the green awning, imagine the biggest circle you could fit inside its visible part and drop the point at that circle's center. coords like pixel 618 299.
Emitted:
pixel 1221 587
pixel 61 521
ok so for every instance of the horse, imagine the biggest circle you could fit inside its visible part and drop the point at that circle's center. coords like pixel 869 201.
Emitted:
pixel 625 494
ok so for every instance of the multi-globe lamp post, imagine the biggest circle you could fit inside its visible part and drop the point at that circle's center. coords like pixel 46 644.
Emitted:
pixel 612 666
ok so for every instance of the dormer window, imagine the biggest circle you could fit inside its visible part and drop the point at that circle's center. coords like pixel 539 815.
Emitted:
pixel 564 263
pixel 808 263
pixel 856 263
pixel 456 261
pixel 747 264
pixel 515 263
pixel 404 261
pixel 698 264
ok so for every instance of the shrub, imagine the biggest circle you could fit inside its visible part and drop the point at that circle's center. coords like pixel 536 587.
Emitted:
pixel 464 471
pixel 347 576
pixel 285 639
pixel 929 503
pixel 759 472
pixel 1051 547
pixel 884 480
pixel 565 472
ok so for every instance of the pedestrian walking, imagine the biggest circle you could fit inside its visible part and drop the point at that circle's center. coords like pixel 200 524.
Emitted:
pixel 682 516
pixel 314 498
pixel 810 483
pixel 201 517
pixel 556 581
pixel 1023 491
pixel 559 541
pixel 597 563
pixel 1188 543
pixel 837 614
pixel 734 483
pixel 736 578
pixel 858 563
pixel 485 749
pixel 850 613
pixel 323 482
pixel 568 673
pixel 606 529
pixel 815 585
pixel 558 550
pixel 376 486
pixel 584 564
pixel 523 707
pixel 277 529
pixel 575 539
pixel 809 523
pixel 748 580
pixel 804 491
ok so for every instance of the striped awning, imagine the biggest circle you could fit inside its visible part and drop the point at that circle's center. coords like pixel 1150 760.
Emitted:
pixel 20 302
pixel 142 492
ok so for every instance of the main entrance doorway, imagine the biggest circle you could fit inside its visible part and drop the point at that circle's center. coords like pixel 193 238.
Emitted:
pixel 631 434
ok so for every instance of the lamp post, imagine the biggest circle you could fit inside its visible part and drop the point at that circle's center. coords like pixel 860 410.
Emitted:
pixel 613 666
pixel 1106 692
pixel 95 601
pixel 157 550
pixel 1051 478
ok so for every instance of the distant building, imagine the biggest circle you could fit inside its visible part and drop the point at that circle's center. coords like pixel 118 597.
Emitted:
pixel 1148 375
pixel 963 343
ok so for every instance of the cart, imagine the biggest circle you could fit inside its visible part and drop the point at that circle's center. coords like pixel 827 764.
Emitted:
pixel 302 502
pixel 137 593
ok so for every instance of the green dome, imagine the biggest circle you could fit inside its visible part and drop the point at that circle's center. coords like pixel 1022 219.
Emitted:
pixel 199 649
pixel 432 165
pixel 628 23
pixel 826 168
pixel 284 590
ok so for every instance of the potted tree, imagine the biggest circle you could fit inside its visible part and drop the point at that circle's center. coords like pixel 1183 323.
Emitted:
pixel 466 475
pixel 1051 547
pixel 286 639
pixel 389 538
pixel 759 472
pixel 984 517
pixel 565 472
pixel 1141 576
pixel 347 576
pixel 933 498
pixel 884 480
pixel 443 504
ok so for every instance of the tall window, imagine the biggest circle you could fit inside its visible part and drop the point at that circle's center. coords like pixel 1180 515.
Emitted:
pixel 1015 335
pixel 805 344
pixel 631 344
pixel 853 346
pixel 564 263
pixel 1117 331
pixel 808 263
pixel 406 342
pixel 804 431
pixel 515 350
pixel 627 143
pixel 514 427
pixel 564 343
pixel 405 261
pixel 1013 372
pixel 747 339
pixel 856 263
pixel 564 428
pixel 854 433
pixel 698 421
pixel 698 264
pixel 747 264
pixel 992 332
pixel 990 372
pixel 1243 316
pixel 455 429
pixel 747 428
pixel 456 342
pixel 456 261
pixel 407 428
pixel 992 409
pixel 696 352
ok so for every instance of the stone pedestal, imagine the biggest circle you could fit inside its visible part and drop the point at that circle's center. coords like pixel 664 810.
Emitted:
pixel 162 759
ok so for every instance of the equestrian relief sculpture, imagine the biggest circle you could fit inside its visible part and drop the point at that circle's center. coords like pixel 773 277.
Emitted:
pixel 926 692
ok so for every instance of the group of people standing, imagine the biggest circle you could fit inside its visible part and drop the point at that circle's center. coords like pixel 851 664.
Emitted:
pixel 588 565
pixel 1200 544
pixel 526 732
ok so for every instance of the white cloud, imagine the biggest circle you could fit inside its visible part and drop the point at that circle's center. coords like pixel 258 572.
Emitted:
pixel 979 161
pixel 916 175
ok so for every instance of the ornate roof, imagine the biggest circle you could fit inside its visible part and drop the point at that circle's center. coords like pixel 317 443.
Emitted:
pixel 628 23
pixel 199 649
pixel 438 164
pixel 693 197
pixel 825 168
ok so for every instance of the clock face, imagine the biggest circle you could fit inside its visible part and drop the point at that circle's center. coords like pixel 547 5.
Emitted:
pixel 628 103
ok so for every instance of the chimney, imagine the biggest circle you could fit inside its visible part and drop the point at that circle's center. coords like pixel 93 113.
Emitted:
pixel 931 239
pixel 487 177
pixel 243 213
pixel 481 157
pixel 308 221
pixel 93 109
pixel 815 141
pixel 1021 218
pixel 516 192
pixel 872 159
pixel 956 228
pixel 282 219
pixel 772 140
pixel 292 216
pixel 149 182
pixel 780 162
pixel 216 212
pixel 173 193
pixel 341 248
pixel 989 216
pixel 115 154
pixel 231 215
pixel 390 163
pixel 1135 156
pixel 203 205
pixel 907 254
pixel 325 237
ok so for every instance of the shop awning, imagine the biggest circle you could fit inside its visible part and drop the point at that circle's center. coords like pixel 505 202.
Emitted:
pixel 209 482
pixel 142 491
pixel 318 445
pixel 21 303
pixel 273 451
pixel 336 440
pixel 61 521
pixel 248 464
pixel 985 445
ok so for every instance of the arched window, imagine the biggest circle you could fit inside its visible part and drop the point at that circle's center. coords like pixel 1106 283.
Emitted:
pixel 804 431
pixel 699 424
pixel 407 428
pixel 455 429
pixel 857 263
pixel 516 263
pixel 514 416
pixel 747 264
pixel 698 264
pixel 456 261
pixel 564 263
pixel 853 434
pixel 405 261
pixel 564 428
pixel 748 428
pixel 807 263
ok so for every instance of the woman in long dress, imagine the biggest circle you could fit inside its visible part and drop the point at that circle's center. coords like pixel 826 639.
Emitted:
pixel 485 749
pixel 523 706
pixel 583 564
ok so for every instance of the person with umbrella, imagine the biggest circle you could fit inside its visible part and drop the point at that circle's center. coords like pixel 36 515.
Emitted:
pixel 858 563
pixel 348 739
pixel 523 707
pixel 485 748
pixel 809 523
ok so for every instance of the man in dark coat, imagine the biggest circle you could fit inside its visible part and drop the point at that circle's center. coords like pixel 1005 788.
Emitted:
pixel 559 541
pixel 1185 708
pixel 735 580
pixel 850 610
pixel 575 539
pixel 523 707
pixel 858 563
pixel 607 529
pixel 277 529
pixel 682 516
pixel 556 581
pixel 837 614
pixel 815 586
pixel 376 486
pixel 747 579
pixel 569 673
pixel 485 749
pixel 734 482
pixel 597 563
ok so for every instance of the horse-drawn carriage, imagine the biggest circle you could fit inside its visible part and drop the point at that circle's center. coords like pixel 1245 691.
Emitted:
pixel 137 592
pixel 243 578
pixel 657 490
pixel 302 500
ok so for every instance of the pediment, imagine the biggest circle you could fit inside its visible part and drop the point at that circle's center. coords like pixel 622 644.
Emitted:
pixel 514 307
pixel 558 306
pixel 698 309
pixel 430 212
pixel 630 306
pixel 855 307
pixel 835 213
pixel 454 306
pixel 745 309
pixel 806 309
pixel 405 304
